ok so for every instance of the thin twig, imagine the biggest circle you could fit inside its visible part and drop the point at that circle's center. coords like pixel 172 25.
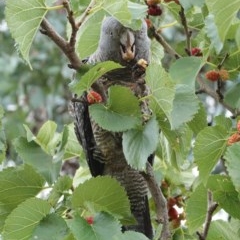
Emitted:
pixel 165 45
pixel 186 30
pixel 159 200
pixel 62 44
pixel 86 12
pixel 204 88
pixel 72 22
pixel 212 206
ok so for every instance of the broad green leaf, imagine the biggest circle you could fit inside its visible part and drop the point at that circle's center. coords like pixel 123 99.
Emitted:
pixel 138 11
pixel 199 121
pixel 157 52
pixel 78 86
pixel 222 230
pixel 232 163
pixel 224 194
pixel 185 70
pixel 190 3
pixel 22 221
pixel 118 9
pixel 45 136
pixel 212 33
pixel 232 97
pixel 96 231
pixel 23 19
pixel 209 146
pixel 112 121
pixel 121 100
pixel 162 88
pixel 224 14
pixel 32 154
pixel 16 185
pixel 63 184
pixel 140 143
pixel 196 209
pixel 73 148
pixel 89 34
pixel 102 194
pixel 185 106
pixel 51 227
pixel 222 121
pixel 121 113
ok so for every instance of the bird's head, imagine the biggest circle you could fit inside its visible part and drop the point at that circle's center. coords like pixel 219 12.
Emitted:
pixel 127 45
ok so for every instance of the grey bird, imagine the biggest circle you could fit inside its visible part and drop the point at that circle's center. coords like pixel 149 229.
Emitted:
pixel 103 149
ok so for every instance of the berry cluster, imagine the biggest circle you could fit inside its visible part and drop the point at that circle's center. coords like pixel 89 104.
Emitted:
pixel 173 203
pixel 214 75
pixel 154 8
pixel 196 52
pixel 174 217
pixel 94 97
pixel 90 220
pixel 235 137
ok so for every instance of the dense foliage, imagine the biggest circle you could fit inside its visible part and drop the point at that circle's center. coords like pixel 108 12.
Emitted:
pixel 195 83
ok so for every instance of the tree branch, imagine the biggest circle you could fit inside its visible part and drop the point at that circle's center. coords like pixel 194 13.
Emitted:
pixel 212 206
pixel 165 45
pixel 204 88
pixel 186 30
pixel 68 50
pixel 159 200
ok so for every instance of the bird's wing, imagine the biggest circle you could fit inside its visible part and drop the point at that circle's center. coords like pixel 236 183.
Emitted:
pixel 84 132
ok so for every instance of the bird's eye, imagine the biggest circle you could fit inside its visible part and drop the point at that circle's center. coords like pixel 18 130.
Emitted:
pixel 111 33
pixel 123 48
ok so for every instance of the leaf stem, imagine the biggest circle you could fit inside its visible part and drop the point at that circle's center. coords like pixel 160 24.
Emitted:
pixel 55 7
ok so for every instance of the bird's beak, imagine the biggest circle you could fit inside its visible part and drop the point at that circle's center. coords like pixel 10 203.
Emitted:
pixel 128 52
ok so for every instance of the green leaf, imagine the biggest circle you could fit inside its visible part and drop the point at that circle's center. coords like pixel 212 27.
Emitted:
pixel 199 121
pixel 232 163
pixel 84 83
pixel 32 154
pixel 118 9
pixel 63 184
pixel 96 231
pixel 225 194
pixel 51 227
pixel 190 3
pixel 138 11
pixel 224 14
pixel 16 185
pixel 157 52
pixel 73 148
pixel 185 106
pixel 232 97
pixel 196 208
pixel 45 136
pixel 223 121
pixel 162 88
pixel 212 33
pixel 121 113
pixel 89 34
pixel 22 221
pixel 209 146
pixel 140 143
pixel 102 194
pixel 185 70
pixel 23 19
pixel 222 230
